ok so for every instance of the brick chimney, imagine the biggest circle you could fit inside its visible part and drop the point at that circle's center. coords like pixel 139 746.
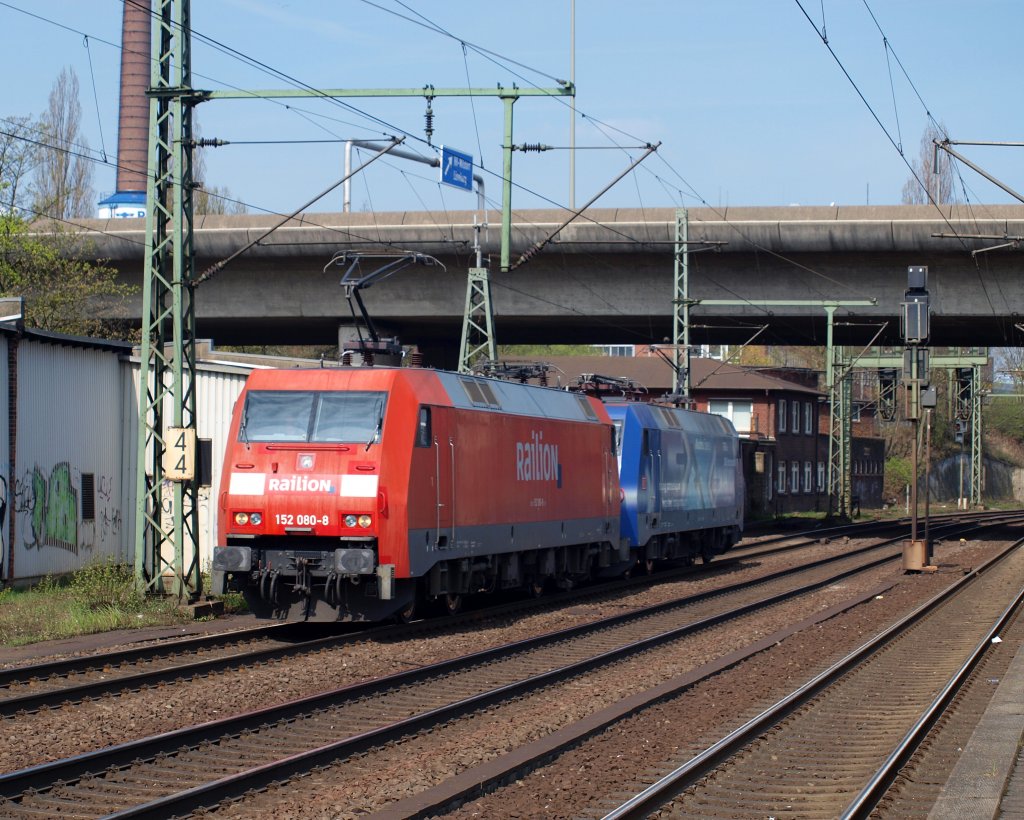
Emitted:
pixel 133 127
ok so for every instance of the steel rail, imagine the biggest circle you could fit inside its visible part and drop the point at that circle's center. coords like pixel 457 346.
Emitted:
pixel 85 663
pixel 30 701
pixel 242 782
pixel 865 802
pixel 476 782
pixel 45 775
pixel 660 792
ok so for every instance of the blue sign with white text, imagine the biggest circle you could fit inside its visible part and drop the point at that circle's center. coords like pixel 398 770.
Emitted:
pixel 456 168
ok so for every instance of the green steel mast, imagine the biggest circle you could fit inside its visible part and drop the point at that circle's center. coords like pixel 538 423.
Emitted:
pixel 166 514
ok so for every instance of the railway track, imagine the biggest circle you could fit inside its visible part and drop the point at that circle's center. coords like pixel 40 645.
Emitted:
pixel 50 684
pixel 172 773
pixel 833 747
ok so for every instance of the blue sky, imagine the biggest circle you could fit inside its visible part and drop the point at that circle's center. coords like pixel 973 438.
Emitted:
pixel 750 107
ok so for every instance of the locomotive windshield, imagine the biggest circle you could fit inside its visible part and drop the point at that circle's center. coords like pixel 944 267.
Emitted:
pixel 302 416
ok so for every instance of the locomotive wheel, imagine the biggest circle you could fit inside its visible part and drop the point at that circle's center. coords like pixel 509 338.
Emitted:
pixel 453 604
pixel 409 613
pixel 536 589
pixel 649 566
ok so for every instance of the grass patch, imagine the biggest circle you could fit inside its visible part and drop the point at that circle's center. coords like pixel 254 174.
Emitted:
pixel 98 598
pixel 234 603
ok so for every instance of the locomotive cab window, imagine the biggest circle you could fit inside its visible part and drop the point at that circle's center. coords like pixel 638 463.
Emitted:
pixel 423 432
pixel 303 416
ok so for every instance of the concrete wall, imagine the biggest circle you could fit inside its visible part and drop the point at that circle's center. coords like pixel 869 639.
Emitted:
pixel 1000 480
pixel 607 277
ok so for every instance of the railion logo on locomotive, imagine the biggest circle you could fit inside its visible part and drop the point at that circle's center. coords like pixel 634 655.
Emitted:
pixel 301 484
pixel 535 460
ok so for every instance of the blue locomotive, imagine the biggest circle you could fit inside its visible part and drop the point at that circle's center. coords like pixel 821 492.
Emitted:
pixel 682 482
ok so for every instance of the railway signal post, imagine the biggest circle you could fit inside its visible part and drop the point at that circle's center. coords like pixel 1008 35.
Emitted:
pixel 919 395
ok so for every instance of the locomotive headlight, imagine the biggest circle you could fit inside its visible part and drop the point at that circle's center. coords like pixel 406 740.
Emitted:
pixel 241 519
pixel 350 520
pixel 255 519
pixel 365 521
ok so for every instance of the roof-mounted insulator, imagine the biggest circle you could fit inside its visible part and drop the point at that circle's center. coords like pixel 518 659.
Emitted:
pixel 429 117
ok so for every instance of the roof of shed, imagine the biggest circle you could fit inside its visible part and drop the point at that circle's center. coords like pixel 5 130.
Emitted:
pixel 655 374
pixel 12 329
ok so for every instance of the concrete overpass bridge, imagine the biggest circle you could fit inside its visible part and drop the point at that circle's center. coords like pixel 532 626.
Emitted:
pixel 608 277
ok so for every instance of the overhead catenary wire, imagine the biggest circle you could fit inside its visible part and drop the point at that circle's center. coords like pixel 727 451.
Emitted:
pixel 95 97
pixel 217 267
pixel 874 115
pixel 525 188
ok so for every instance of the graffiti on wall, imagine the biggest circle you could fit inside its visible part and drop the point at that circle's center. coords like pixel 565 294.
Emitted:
pixel 108 515
pixel 3 519
pixel 49 510
pixel 53 503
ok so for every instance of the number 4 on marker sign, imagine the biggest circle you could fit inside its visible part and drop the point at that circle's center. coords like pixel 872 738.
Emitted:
pixel 180 456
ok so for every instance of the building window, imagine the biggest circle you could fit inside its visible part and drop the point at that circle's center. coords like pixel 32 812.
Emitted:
pixel 794 473
pixel 808 420
pixel 781 421
pixel 740 413
pixel 808 484
pixel 768 475
pixel 821 476
pixel 782 478
pixel 855 412
pixel 719 352
pixel 617 350
pixel 795 426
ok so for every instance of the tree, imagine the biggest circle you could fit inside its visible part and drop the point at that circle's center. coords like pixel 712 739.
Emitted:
pixel 18 158
pixel 934 172
pixel 216 200
pixel 1010 363
pixel 541 351
pixel 62 292
pixel 63 176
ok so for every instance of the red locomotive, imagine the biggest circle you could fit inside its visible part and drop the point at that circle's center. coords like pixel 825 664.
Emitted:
pixel 360 493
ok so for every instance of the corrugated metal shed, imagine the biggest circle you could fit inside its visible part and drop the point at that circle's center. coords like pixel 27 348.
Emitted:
pixel 68 472
pixel 6 485
pixel 217 388
pixel 65 485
